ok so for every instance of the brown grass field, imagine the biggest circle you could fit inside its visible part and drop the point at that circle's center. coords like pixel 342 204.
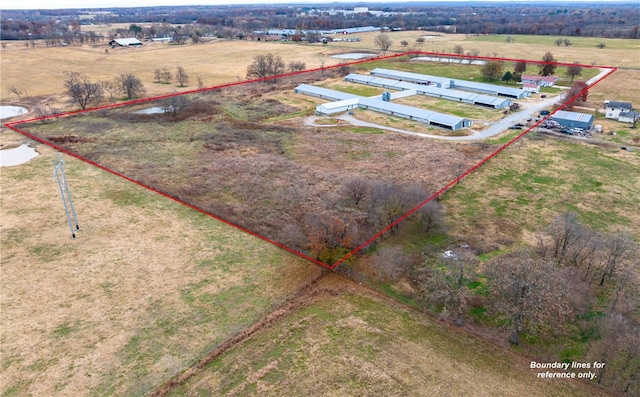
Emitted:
pixel 149 287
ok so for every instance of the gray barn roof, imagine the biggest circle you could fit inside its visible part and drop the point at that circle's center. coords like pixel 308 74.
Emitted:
pixel 572 116
pixel 323 93
pixel 461 84
pixel 410 77
pixel 450 94
pixel 424 115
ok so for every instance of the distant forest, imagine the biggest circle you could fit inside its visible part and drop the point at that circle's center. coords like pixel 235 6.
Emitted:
pixel 614 20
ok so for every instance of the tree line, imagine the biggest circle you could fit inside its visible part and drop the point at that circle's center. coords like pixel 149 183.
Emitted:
pixel 573 283
pixel 616 20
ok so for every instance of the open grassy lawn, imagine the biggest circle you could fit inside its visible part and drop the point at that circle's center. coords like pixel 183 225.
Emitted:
pixel 346 341
pixel 146 288
pixel 540 177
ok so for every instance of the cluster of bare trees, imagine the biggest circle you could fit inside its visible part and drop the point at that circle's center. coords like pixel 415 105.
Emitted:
pixel 361 208
pixel 84 92
pixel 266 66
pixel 573 281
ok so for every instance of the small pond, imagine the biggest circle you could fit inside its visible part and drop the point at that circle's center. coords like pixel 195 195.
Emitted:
pixel 17 156
pixel 353 55
pixel 152 110
pixel 11 111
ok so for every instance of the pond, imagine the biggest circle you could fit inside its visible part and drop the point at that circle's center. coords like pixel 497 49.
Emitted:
pixel 152 110
pixel 353 55
pixel 17 156
pixel 11 111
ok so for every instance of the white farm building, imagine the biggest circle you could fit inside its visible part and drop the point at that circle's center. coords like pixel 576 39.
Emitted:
pixel 344 101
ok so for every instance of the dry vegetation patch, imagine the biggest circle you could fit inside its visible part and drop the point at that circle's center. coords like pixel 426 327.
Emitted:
pixel 146 288
pixel 346 341
pixel 219 155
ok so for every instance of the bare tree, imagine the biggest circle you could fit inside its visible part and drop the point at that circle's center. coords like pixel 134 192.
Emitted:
pixel 17 91
pixel 445 284
pixel 565 231
pixel 80 90
pixel 130 85
pixel 181 76
pixel 383 42
pixel 601 45
pixel 509 39
pixel 111 87
pixel 404 43
pixel 574 70
pixel 420 40
pixel 530 294
pixel 457 49
pixel 547 67
pixel 492 70
pixel 617 250
pixel 296 66
pixel 265 66
pixel 391 262
pixel 174 105
pixel 200 83
pixel 355 190
pixel 520 67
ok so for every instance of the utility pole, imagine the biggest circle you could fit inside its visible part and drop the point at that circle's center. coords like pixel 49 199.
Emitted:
pixel 65 194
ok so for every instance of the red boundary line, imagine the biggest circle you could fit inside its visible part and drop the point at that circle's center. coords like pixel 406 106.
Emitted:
pixel 567 102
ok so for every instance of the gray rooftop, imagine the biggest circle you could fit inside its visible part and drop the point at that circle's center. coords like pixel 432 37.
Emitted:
pixel 428 90
pixel 573 116
pixel 324 93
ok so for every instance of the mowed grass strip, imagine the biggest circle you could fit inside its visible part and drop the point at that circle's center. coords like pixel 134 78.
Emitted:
pixel 146 289
pixel 347 342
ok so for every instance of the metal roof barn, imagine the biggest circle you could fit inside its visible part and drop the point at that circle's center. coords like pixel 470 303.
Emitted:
pixel 323 93
pixel 492 89
pixel 441 82
pixel 344 101
pixel 573 119
pixel 125 42
pixel 338 106
pixel 428 90
pixel 422 115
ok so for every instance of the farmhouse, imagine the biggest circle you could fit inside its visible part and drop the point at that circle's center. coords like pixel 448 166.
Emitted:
pixel 542 81
pixel 614 108
pixel 433 91
pixel 531 87
pixel 629 117
pixel 130 42
pixel 573 119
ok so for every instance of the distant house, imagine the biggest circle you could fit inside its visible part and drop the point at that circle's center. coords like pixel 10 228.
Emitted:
pixel 614 108
pixel 531 87
pixel 542 81
pixel 130 42
pixel 573 119
pixel 629 117
pixel 162 39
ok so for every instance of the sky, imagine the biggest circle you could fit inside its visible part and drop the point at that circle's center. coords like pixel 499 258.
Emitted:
pixel 59 4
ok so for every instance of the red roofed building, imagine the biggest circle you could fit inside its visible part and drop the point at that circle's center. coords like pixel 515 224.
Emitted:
pixel 531 87
pixel 542 81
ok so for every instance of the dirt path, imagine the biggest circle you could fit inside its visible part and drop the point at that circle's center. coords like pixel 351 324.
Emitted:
pixel 284 309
